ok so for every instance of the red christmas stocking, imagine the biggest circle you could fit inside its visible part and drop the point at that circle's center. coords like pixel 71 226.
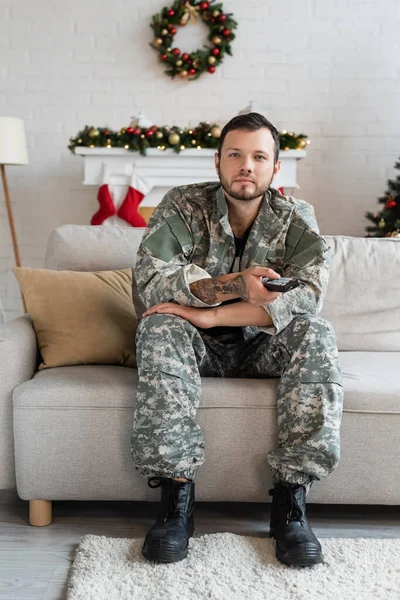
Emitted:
pixel 128 211
pixel 107 207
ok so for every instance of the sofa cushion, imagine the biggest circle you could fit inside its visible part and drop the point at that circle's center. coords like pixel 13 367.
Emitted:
pixel 362 300
pixel 73 426
pixel 92 248
pixel 369 380
pixel 363 297
pixel 80 317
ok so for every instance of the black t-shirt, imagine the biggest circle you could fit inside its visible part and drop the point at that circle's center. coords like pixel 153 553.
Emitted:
pixel 231 334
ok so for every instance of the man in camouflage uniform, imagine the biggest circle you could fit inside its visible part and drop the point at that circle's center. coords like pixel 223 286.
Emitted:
pixel 205 313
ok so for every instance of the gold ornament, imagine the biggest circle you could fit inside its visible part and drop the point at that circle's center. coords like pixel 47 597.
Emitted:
pixel 301 144
pixel 179 63
pixel 164 31
pixel 174 138
pixel 194 142
pixel 183 74
pixel 216 13
pixel 395 234
pixel 157 42
pixel 216 40
pixel 215 132
pixel 381 223
pixel 93 132
pixel 159 135
pixel 190 13
pixel 122 130
pixel 196 63
pixel 212 60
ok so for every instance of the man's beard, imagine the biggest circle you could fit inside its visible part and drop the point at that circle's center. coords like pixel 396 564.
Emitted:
pixel 245 194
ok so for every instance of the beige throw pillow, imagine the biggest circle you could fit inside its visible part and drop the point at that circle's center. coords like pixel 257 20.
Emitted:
pixel 81 317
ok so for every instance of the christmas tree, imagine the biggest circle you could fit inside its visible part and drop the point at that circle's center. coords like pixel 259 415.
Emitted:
pixel 387 221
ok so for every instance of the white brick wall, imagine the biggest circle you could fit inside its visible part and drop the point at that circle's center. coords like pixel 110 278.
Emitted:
pixel 329 69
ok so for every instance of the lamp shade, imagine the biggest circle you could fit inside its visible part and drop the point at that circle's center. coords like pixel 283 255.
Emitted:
pixel 12 142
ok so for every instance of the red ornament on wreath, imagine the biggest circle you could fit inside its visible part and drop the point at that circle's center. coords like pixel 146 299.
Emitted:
pixel 180 14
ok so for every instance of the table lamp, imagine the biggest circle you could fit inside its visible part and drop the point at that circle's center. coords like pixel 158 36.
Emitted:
pixel 12 152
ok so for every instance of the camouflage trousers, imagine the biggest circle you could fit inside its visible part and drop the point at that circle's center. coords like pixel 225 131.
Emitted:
pixel 173 355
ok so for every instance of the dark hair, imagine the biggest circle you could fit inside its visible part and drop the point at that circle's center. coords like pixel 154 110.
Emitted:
pixel 251 121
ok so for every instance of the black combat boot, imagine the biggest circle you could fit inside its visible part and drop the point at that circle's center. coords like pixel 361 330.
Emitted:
pixel 168 539
pixel 295 542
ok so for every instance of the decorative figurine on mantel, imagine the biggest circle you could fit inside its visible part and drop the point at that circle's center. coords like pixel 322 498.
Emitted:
pixel 252 107
pixel 140 121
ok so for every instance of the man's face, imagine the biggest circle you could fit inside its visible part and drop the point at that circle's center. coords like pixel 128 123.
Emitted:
pixel 246 167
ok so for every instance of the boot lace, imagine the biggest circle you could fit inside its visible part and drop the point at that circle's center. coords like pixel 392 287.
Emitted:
pixel 171 511
pixel 287 499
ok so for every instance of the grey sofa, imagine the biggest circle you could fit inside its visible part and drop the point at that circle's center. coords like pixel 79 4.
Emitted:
pixel 66 431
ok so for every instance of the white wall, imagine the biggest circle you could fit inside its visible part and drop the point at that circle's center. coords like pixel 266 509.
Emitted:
pixel 328 68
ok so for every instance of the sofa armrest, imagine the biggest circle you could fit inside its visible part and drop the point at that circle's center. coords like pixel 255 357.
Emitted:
pixel 18 363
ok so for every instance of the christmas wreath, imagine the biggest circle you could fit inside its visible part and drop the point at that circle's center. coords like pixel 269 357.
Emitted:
pixel 191 66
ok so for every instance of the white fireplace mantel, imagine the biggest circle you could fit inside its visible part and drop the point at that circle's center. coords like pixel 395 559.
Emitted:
pixel 165 169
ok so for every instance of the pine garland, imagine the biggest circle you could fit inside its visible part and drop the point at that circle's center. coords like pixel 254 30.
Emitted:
pixel 139 139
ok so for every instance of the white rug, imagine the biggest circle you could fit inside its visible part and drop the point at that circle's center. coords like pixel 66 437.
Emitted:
pixel 226 566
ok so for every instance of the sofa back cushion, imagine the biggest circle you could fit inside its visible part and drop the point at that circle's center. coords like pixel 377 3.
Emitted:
pixel 362 301
pixel 363 297
pixel 92 247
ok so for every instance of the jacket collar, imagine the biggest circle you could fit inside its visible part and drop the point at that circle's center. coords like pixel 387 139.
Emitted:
pixel 266 221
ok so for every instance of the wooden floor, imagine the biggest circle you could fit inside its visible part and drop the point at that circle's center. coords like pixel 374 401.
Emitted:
pixel 35 562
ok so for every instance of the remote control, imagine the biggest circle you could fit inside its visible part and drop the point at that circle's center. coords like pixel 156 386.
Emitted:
pixel 284 284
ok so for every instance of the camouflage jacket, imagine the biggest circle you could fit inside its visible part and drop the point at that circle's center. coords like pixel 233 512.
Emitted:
pixel 189 237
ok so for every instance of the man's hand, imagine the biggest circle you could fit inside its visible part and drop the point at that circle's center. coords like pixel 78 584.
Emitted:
pixel 245 285
pixel 252 290
pixel 199 317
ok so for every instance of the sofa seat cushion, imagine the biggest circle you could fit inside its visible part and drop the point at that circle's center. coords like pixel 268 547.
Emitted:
pixel 370 381
pixel 83 386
